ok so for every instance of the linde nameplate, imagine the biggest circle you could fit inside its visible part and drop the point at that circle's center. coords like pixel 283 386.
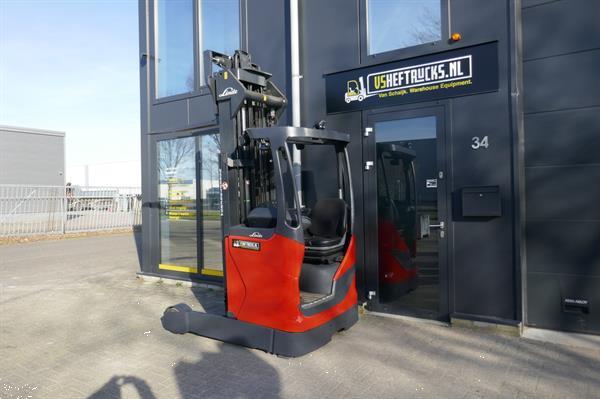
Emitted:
pixel 452 73
pixel 251 245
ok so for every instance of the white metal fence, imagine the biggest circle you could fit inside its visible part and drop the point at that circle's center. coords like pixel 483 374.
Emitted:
pixel 32 210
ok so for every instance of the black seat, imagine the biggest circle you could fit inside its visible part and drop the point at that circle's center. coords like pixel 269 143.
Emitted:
pixel 327 233
pixel 317 241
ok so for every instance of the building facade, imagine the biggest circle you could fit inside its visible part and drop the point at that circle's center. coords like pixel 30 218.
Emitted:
pixel 32 156
pixel 476 121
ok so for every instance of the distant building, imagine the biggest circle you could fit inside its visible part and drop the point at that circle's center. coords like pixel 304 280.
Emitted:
pixel 31 156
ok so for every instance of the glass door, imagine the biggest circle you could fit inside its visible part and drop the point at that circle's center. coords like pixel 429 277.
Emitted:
pixel 406 210
pixel 190 204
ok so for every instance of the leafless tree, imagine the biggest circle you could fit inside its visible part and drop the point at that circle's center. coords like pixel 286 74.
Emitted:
pixel 189 82
pixel 172 153
pixel 428 28
pixel 210 156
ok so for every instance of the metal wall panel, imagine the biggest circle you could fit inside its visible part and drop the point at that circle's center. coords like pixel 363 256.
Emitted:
pixel 268 43
pixel 31 157
pixel 563 192
pixel 202 110
pixel 568 247
pixel 484 271
pixel 566 137
pixel 169 116
pixel 546 292
pixel 565 81
pixel 329 42
pixel 533 3
pixel 561 27
pixel 484 265
pixel 562 152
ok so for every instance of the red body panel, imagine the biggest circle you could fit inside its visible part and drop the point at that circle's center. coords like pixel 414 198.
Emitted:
pixel 391 271
pixel 263 286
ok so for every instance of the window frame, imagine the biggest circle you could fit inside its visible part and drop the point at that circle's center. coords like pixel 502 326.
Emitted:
pixel 405 52
pixel 199 89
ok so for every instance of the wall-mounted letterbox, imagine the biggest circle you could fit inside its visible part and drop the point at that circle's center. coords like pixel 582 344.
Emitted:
pixel 481 201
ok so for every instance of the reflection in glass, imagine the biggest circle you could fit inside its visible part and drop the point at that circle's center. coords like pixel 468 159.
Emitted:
pixel 210 202
pixel 174 47
pixel 220 27
pixel 406 199
pixel 396 24
pixel 177 196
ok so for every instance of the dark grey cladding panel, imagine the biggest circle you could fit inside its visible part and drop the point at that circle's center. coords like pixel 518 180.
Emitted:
pixel 563 138
pixel 561 27
pixel 483 279
pixel 483 255
pixel 481 115
pixel 563 192
pixel 531 3
pixel 479 21
pixel 569 81
pixel 202 110
pixel 330 42
pixel 546 293
pixel 169 116
pixel 564 247
pixel 268 45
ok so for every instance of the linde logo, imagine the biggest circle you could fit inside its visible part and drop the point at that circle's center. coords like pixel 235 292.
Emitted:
pixel 230 91
pixel 413 79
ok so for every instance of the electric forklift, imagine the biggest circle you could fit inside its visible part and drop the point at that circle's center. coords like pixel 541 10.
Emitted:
pixel 289 271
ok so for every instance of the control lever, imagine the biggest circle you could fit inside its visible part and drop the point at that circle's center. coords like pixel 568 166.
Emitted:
pixel 438 226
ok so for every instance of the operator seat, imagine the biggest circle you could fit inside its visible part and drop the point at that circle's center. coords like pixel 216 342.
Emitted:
pixel 326 235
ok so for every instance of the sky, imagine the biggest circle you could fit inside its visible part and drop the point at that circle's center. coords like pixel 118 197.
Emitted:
pixel 73 66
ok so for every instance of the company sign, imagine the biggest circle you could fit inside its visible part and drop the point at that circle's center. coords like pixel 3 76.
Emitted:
pixel 453 73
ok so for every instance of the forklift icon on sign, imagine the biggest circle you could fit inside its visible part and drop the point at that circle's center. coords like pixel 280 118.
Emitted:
pixel 355 91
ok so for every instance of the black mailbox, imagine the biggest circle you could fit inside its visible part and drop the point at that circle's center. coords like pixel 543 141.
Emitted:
pixel 481 201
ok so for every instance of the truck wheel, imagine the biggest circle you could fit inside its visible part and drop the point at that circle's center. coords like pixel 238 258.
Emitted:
pixel 348 100
pixel 360 98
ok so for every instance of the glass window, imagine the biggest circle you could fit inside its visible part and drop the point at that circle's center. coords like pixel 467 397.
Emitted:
pixel 288 188
pixel 177 196
pixel 210 148
pixel 174 47
pixel 220 27
pixel 396 24
pixel 219 31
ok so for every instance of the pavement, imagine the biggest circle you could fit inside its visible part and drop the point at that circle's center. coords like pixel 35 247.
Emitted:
pixel 75 322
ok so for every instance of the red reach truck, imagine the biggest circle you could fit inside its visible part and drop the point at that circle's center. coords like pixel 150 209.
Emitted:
pixel 289 271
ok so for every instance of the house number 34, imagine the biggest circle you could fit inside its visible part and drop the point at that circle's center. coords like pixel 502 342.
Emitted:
pixel 478 142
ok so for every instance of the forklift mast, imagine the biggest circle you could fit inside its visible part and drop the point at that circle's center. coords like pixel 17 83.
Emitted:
pixel 245 98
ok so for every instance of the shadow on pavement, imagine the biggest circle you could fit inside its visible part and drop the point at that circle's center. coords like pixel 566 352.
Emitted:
pixel 231 372
pixel 112 389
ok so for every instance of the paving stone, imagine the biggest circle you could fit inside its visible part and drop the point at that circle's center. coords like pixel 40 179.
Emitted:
pixel 78 323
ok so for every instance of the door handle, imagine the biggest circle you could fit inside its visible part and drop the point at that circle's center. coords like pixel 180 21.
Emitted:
pixel 438 226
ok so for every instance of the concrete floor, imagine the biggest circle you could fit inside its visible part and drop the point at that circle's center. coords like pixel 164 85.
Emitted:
pixel 76 323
